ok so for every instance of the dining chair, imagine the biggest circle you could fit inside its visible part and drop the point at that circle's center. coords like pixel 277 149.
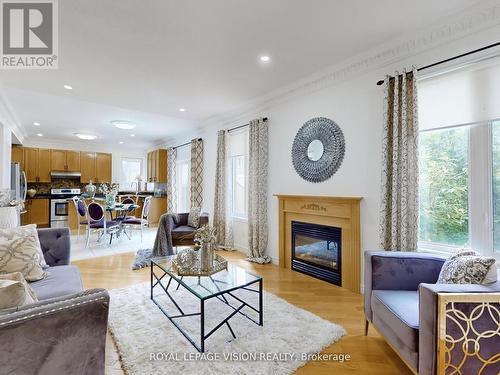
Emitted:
pixel 98 223
pixel 141 222
pixel 81 214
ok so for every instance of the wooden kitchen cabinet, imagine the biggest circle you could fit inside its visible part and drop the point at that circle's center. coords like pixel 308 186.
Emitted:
pixel 157 166
pixel 87 167
pixel 65 160
pixel 37 212
pixel 158 207
pixel 37 164
pixel 17 155
pixel 103 167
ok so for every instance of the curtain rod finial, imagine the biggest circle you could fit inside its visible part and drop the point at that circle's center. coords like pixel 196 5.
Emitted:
pixel 380 83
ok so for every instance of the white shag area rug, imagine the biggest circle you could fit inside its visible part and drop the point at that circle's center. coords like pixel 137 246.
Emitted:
pixel 148 343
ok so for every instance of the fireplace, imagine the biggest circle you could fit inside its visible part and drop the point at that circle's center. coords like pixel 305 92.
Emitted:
pixel 317 250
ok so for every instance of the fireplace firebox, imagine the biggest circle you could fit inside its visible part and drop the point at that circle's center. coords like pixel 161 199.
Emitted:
pixel 317 251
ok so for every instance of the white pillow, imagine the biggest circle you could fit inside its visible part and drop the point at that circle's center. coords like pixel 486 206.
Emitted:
pixel 15 291
pixel 491 277
pixel 194 217
pixel 20 251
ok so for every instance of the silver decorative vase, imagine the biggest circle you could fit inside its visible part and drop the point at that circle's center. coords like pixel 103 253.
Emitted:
pixel 206 257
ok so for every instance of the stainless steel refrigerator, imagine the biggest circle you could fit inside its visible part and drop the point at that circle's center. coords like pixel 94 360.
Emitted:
pixel 18 185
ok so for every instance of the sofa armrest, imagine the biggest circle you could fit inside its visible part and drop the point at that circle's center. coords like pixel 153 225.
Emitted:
pixel 56 245
pixel 428 316
pixel 397 270
pixel 60 335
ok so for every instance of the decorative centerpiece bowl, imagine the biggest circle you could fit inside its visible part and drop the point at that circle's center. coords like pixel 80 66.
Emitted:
pixel 187 263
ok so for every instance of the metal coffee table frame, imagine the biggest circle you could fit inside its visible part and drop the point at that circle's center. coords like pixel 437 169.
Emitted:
pixel 156 281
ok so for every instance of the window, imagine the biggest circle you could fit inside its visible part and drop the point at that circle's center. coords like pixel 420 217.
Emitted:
pixel 183 185
pixel 459 151
pixel 444 187
pixel 130 170
pixel 239 172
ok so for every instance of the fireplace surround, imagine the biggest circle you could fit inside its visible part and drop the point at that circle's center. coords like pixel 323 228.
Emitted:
pixel 339 212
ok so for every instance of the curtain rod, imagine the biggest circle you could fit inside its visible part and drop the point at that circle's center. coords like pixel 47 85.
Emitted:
pixel 185 144
pixel 450 59
pixel 242 126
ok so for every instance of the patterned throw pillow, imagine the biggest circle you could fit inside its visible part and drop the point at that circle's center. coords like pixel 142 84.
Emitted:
pixel 194 217
pixel 20 251
pixel 15 291
pixel 466 267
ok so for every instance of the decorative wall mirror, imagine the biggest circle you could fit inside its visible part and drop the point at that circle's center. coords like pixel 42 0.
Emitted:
pixel 318 149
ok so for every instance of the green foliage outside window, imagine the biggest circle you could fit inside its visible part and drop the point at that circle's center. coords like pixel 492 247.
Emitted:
pixel 444 186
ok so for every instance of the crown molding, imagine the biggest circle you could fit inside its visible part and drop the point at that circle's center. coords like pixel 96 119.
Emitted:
pixel 479 17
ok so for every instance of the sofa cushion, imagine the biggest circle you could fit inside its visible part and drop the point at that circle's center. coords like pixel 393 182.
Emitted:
pixel 61 281
pixel 396 314
pixel 184 231
pixel 15 291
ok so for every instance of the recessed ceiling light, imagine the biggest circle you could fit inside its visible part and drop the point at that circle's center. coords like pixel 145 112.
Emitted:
pixel 125 125
pixel 88 137
pixel 265 58
pixel 182 109
pixel 40 134
pixel 68 87
pixel 132 135
pixel 36 123
pixel 120 142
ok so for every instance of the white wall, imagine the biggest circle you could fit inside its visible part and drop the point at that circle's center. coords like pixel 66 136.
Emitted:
pixel 5 157
pixel 356 106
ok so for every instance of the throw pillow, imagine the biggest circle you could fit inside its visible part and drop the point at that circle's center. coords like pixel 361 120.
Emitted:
pixel 466 267
pixel 15 291
pixel 20 251
pixel 194 217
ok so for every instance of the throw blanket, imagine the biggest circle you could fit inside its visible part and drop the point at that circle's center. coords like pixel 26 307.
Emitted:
pixel 162 246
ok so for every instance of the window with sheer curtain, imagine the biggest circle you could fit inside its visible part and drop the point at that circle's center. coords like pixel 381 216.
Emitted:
pixel 238 173
pixel 183 179
pixel 459 146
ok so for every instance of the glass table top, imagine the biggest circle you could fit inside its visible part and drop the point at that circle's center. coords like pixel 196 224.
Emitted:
pixel 208 286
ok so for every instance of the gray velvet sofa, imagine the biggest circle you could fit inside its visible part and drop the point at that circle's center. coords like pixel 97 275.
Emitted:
pixel 182 233
pixel 401 301
pixel 65 331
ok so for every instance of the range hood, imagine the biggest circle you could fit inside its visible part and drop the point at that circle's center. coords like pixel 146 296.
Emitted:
pixel 65 174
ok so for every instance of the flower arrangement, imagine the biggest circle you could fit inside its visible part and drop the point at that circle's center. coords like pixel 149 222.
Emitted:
pixel 205 234
pixel 109 189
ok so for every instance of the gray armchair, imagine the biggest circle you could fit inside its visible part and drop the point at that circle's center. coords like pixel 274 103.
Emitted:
pixel 182 233
pixel 65 331
pixel 401 301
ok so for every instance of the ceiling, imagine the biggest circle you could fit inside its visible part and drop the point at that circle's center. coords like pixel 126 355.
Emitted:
pixel 143 62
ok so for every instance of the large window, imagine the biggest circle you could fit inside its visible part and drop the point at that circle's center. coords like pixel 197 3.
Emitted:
pixel 130 169
pixel 183 185
pixel 459 150
pixel 238 173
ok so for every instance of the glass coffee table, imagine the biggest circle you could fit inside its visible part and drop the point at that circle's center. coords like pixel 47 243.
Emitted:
pixel 220 285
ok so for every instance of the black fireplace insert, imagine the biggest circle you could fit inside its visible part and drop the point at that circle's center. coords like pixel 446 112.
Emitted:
pixel 317 251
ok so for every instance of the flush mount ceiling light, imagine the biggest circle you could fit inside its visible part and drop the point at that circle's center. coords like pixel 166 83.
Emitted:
pixel 120 142
pixel 265 58
pixel 125 125
pixel 132 135
pixel 40 134
pixel 182 109
pixel 68 87
pixel 36 123
pixel 88 137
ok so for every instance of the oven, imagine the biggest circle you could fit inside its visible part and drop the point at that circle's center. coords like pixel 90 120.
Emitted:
pixel 60 204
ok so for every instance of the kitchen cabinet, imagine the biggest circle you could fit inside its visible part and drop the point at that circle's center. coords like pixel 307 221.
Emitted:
pixel 103 167
pixel 95 166
pixel 37 212
pixel 158 207
pixel 65 160
pixel 37 164
pixel 157 166
pixel 17 155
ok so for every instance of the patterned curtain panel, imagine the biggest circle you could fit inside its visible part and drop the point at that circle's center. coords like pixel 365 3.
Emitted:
pixel 399 211
pixel 222 218
pixel 197 172
pixel 171 179
pixel 257 191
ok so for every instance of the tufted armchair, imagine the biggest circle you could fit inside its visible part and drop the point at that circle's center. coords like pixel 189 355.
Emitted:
pixel 403 301
pixel 65 331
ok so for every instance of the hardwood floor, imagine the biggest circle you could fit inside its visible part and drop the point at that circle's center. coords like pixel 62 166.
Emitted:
pixel 369 355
